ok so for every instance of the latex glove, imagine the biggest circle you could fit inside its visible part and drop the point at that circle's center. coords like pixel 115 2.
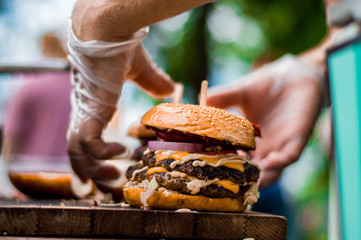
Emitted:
pixel 99 71
pixel 284 98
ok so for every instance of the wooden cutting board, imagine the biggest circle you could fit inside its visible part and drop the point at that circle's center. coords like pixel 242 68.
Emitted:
pixel 84 219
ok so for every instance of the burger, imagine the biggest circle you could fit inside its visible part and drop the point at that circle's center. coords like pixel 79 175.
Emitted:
pixel 199 161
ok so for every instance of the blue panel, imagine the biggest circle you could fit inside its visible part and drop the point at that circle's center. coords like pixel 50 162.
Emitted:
pixel 345 86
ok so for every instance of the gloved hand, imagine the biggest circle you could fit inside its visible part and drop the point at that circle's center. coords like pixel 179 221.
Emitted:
pixel 284 98
pixel 99 71
pixel 105 51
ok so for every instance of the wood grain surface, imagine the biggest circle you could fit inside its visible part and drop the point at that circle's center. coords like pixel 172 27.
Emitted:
pixel 80 219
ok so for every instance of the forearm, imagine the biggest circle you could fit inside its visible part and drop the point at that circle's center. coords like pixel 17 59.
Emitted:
pixel 317 56
pixel 116 20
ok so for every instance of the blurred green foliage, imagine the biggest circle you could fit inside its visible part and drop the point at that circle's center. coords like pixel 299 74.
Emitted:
pixel 312 209
pixel 251 30
pixel 189 59
pixel 288 25
pixel 184 53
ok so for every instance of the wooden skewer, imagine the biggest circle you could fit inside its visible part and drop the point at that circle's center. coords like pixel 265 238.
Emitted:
pixel 178 93
pixel 203 96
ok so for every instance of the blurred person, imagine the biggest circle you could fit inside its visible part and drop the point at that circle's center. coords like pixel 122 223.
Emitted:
pixel 283 97
pixel 37 116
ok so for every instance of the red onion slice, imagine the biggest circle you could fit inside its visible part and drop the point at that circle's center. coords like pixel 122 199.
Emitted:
pixel 176 146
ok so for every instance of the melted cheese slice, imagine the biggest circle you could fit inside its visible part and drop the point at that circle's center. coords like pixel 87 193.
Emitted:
pixel 162 155
pixel 235 165
pixel 156 170
pixel 229 185
pixel 178 156
pixel 226 184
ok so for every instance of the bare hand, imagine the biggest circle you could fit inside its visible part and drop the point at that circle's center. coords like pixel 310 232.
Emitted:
pixel 285 102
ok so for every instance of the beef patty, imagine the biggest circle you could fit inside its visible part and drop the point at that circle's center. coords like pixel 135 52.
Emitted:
pixel 250 174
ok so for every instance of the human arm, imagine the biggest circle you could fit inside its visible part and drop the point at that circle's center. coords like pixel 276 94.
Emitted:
pixel 112 21
pixel 284 98
pixel 100 68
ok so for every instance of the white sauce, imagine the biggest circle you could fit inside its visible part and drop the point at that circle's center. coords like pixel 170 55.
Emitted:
pixel 219 163
pixel 252 195
pixel 161 189
pixel 195 185
pixel 167 153
pixel 178 174
pixel 121 204
pixel 146 151
pixel 166 192
pixel 184 210
pixel 149 191
pixel 138 171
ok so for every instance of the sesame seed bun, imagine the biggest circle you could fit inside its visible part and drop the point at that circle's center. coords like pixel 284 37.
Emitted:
pixel 173 200
pixel 203 121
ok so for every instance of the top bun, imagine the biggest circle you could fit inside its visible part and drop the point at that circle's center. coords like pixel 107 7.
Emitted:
pixel 203 121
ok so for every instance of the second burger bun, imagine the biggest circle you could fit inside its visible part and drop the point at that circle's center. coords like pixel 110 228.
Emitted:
pixel 43 184
pixel 160 200
pixel 203 121
pixel 139 131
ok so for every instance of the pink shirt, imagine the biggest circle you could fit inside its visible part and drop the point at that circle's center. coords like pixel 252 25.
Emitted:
pixel 37 116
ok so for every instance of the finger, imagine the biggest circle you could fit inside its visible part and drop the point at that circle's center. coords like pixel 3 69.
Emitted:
pixel 113 185
pixel 80 188
pixel 270 174
pixel 117 193
pixel 90 139
pixel 268 178
pixel 95 169
pixel 226 97
pixel 149 77
pixel 87 167
pixel 78 170
pixel 274 163
pixel 74 149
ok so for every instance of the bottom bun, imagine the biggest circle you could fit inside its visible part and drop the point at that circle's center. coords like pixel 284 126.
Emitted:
pixel 172 200
pixel 43 184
